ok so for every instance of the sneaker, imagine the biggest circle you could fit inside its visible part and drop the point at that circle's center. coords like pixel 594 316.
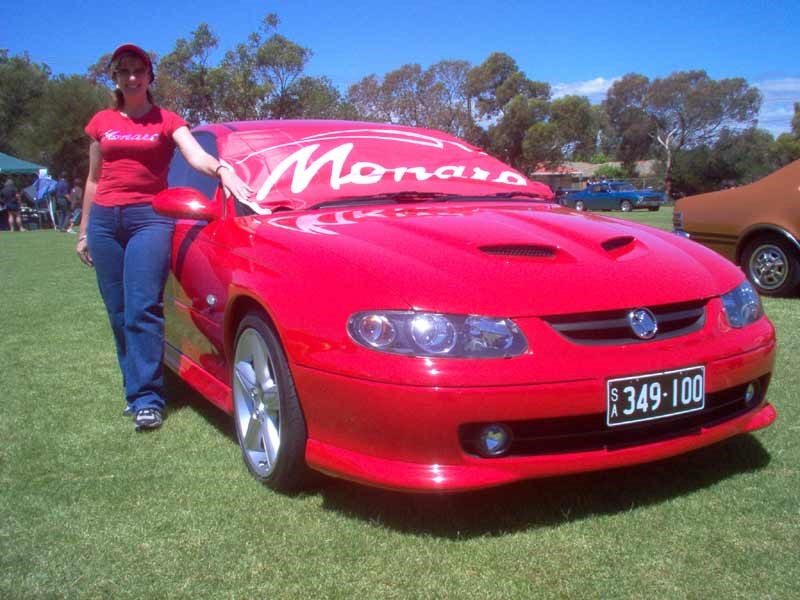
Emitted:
pixel 147 418
pixel 129 410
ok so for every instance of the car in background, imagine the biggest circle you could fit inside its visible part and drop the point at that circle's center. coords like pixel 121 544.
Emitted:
pixel 613 195
pixel 757 226
pixel 396 307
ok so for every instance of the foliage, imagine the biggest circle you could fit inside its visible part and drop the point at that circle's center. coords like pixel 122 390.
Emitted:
pixel 185 82
pixel 576 124
pixel 22 83
pixel 516 110
pixel 610 172
pixel 260 79
pixel 493 105
pixel 433 98
pixel 55 129
pixel 738 157
pixel 786 149
pixel 689 108
pixel 629 129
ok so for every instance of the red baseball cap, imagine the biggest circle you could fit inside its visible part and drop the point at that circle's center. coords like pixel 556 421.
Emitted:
pixel 134 49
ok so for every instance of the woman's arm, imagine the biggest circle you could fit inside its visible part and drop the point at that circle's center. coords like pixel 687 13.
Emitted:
pixel 95 167
pixel 203 162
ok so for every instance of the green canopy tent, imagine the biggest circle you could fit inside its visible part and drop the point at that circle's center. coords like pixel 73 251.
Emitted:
pixel 9 164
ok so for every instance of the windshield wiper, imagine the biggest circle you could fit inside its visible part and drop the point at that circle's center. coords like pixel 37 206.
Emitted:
pixel 412 196
pixel 395 197
pixel 526 195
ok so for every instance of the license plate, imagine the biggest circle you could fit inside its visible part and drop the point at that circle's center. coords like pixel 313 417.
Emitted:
pixel 655 395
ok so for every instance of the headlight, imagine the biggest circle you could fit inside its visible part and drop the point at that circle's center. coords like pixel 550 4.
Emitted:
pixel 742 305
pixel 435 334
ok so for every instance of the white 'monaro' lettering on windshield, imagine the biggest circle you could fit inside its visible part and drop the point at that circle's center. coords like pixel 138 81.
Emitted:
pixel 365 173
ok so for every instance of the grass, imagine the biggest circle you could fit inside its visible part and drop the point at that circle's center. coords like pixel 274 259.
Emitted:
pixel 91 509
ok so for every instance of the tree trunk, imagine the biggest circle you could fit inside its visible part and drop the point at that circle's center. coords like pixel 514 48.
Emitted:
pixel 668 176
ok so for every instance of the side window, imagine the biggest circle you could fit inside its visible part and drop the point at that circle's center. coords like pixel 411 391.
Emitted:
pixel 182 175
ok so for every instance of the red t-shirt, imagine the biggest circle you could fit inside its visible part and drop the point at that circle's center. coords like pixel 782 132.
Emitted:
pixel 136 154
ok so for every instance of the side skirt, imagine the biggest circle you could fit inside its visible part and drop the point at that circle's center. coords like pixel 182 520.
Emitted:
pixel 196 376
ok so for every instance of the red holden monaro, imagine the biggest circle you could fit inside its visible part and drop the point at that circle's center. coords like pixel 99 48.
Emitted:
pixel 396 307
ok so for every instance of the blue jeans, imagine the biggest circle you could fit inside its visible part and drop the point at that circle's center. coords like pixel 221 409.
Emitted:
pixel 131 247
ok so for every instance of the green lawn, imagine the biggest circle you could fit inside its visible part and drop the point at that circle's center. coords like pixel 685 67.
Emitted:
pixel 90 509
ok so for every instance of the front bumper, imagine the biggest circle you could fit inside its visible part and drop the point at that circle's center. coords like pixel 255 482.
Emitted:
pixel 407 438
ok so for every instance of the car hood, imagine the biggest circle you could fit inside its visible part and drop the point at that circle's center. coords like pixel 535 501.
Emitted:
pixel 502 259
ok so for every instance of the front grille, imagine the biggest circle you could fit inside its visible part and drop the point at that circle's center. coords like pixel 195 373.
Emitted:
pixel 587 433
pixel 612 327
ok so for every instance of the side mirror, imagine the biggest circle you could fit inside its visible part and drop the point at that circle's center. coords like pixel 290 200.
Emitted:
pixel 186 203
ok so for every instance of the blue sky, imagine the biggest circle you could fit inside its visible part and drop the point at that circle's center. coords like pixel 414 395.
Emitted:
pixel 577 47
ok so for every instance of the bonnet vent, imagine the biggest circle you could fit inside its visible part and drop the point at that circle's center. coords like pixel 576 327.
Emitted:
pixel 524 250
pixel 616 243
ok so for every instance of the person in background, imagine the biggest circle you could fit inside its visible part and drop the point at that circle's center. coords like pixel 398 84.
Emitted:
pixel 75 202
pixel 62 203
pixel 10 197
pixel 126 241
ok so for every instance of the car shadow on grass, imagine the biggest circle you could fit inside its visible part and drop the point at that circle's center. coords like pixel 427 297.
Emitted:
pixel 546 502
pixel 181 396
pixel 517 507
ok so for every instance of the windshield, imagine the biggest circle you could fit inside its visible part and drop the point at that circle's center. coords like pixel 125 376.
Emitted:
pixel 305 164
pixel 622 187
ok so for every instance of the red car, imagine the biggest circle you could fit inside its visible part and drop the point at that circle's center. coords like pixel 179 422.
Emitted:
pixel 398 308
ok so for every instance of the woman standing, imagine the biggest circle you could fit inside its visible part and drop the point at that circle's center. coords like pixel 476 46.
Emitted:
pixel 126 241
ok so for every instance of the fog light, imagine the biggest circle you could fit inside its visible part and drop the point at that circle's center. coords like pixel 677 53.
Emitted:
pixel 750 392
pixel 494 440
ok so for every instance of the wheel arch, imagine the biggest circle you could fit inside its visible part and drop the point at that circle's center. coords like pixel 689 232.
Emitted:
pixel 763 230
pixel 238 307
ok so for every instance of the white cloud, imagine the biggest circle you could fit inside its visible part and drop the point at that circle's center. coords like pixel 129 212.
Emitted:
pixel 595 88
pixel 777 107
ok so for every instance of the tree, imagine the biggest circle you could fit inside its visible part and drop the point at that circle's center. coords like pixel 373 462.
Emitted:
pixel 629 132
pixel 184 82
pixel 434 98
pixel 610 172
pixel 576 125
pixel 55 135
pixel 741 157
pixel 502 96
pixel 796 121
pixel 318 98
pixel 688 109
pixel 367 99
pixel 22 83
pixel 239 94
pixel 786 149
pixel 280 62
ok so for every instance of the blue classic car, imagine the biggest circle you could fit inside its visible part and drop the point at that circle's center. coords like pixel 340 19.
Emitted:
pixel 613 195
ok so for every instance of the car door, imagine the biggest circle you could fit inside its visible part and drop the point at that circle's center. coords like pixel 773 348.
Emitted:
pixel 599 197
pixel 196 292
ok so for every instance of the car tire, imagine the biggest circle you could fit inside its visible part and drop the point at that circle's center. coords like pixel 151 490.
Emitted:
pixel 772 265
pixel 580 206
pixel 626 206
pixel 269 422
pixel 654 208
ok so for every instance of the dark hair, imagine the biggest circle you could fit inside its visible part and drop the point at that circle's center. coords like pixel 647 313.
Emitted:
pixel 118 99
